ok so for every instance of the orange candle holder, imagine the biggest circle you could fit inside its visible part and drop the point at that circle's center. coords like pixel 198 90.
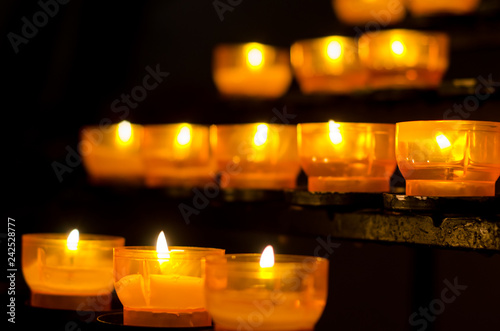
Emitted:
pixel 241 295
pixel 162 289
pixel 70 278
pixel 251 70
pixel 328 65
pixel 437 7
pixel 256 156
pixel 347 157
pixel 449 158
pixel 113 153
pixel 177 155
pixel 404 58
pixel 379 13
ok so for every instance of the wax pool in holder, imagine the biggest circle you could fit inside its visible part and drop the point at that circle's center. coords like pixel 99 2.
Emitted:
pixel 251 70
pixel 347 157
pixel 266 292
pixel 449 158
pixel 256 156
pixel 69 271
pixel 162 287
pixel 177 155
pixel 404 58
pixel 328 65
pixel 113 153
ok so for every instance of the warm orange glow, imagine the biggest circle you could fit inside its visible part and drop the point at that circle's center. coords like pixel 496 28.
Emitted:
pixel 442 141
pixel 334 50
pixel 124 133
pixel 184 136
pixel 398 47
pixel 260 136
pixel 267 257
pixel 255 58
pixel 335 135
pixel 72 241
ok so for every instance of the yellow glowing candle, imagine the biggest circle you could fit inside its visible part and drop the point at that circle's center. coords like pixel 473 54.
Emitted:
pixel 404 58
pixel 449 158
pixel 327 65
pixel 113 153
pixel 347 157
pixel 257 155
pixel 251 70
pixel 65 271
pixel 287 292
pixel 436 7
pixel 177 155
pixel 163 286
pixel 375 13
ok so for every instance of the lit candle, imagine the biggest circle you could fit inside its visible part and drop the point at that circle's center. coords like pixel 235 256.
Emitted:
pixel 375 13
pixel 113 153
pixel 257 156
pixel 69 272
pixel 251 70
pixel 328 65
pixel 449 158
pixel 162 287
pixel 347 157
pixel 266 292
pixel 177 155
pixel 437 7
pixel 404 58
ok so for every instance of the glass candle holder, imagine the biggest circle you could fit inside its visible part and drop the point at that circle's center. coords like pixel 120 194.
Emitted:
pixel 177 155
pixel 449 158
pixel 404 58
pixel 63 277
pixel 251 70
pixel 162 289
pixel 328 65
pixel 113 153
pixel 256 156
pixel 347 157
pixel 373 13
pixel 241 295
pixel 437 7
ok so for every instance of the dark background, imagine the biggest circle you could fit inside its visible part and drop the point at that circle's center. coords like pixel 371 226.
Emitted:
pixel 90 53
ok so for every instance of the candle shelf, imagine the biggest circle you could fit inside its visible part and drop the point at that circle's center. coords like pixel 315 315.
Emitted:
pixel 354 200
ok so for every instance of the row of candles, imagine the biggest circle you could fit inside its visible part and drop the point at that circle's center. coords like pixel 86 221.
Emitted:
pixel 334 64
pixel 437 158
pixel 386 12
pixel 166 286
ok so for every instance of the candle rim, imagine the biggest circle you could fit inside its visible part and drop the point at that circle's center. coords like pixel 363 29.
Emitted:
pixel 60 239
pixel 388 32
pixel 251 258
pixel 150 253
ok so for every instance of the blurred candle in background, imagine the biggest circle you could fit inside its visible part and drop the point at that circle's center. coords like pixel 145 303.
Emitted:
pixel 328 65
pixel 251 70
pixel 177 155
pixel 376 14
pixel 256 156
pixel 347 157
pixel 449 158
pixel 404 58
pixel 113 153
pixel 439 7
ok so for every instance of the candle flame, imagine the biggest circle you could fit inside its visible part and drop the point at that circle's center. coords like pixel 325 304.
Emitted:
pixel 255 57
pixel 124 133
pixel 184 135
pixel 397 47
pixel 442 141
pixel 334 50
pixel 267 257
pixel 72 241
pixel 260 137
pixel 162 247
pixel 335 135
